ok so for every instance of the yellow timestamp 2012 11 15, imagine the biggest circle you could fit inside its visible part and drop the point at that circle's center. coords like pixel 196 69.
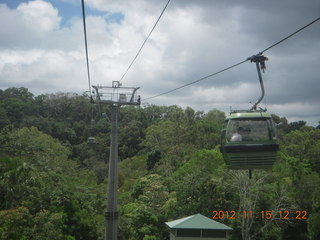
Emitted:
pixel 265 214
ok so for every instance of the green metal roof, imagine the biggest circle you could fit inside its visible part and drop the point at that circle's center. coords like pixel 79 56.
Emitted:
pixel 236 115
pixel 197 221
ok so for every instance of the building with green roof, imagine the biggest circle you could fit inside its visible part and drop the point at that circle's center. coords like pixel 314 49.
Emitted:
pixel 198 227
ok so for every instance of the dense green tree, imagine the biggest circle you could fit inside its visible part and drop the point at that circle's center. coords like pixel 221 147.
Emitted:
pixel 18 103
pixel 138 222
pixel 206 130
pixel 296 125
pixel 314 219
pixel 52 183
pixel 196 185
pixel 46 187
pixel 130 138
pixel 153 158
pixel 143 217
pixel 4 119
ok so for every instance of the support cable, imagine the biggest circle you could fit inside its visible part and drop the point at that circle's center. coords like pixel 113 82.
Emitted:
pixel 154 26
pixel 237 64
pixel 86 47
pixel 199 80
pixel 286 38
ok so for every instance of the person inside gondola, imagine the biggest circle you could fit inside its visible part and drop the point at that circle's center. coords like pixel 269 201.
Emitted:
pixel 242 134
pixel 237 136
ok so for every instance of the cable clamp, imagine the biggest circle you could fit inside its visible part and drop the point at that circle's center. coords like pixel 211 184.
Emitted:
pixel 259 58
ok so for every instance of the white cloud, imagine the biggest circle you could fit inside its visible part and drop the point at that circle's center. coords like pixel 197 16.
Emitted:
pixel 39 14
pixel 45 71
pixel 27 25
pixel 193 39
pixel 10 57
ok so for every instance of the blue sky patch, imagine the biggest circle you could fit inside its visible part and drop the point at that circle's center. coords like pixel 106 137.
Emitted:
pixel 69 10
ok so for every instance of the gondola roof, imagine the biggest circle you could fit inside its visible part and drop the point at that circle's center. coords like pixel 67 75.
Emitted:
pixel 248 114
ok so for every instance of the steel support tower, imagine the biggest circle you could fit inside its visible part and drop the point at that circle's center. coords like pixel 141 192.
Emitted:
pixel 114 96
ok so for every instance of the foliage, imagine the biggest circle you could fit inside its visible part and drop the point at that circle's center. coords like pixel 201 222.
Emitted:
pixel 43 193
pixel 53 184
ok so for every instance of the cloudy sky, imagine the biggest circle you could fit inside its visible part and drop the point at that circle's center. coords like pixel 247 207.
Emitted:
pixel 42 49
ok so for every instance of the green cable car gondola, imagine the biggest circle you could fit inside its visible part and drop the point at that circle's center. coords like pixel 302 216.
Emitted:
pixel 91 140
pixel 249 140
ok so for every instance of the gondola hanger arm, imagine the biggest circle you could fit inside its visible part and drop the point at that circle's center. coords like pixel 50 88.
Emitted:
pixel 259 60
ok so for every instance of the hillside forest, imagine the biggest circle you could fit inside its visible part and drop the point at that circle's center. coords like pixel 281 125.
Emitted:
pixel 53 184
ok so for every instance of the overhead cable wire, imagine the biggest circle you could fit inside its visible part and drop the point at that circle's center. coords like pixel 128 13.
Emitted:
pixel 199 80
pixel 235 65
pixel 136 56
pixel 86 46
pixel 294 33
